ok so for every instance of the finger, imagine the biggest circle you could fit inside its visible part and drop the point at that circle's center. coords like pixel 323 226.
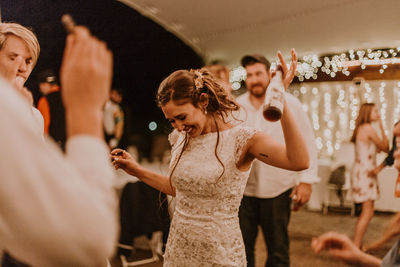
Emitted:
pixel 110 64
pixel 303 201
pixel 294 55
pixel 303 197
pixel 121 161
pixel 106 60
pixel 117 151
pixel 68 44
pixel 101 52
pixel 283 63
pixel 293 64
pixel 314 243
pixel 299 199
pixel 75 58
pixel 337 253
pixel 335 240
pixel 293 193
pixel 116 166
pixel 80 32
pixel 317 244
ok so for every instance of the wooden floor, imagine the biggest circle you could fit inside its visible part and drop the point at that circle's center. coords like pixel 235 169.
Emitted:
pixel 305 225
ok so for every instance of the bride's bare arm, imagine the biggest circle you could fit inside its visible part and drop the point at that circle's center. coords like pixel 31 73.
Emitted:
pixel 291 156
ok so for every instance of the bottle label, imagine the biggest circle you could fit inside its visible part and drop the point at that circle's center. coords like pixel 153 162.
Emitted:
pixel 276 99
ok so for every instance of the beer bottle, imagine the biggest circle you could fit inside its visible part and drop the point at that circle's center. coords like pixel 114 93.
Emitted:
pixel 274 98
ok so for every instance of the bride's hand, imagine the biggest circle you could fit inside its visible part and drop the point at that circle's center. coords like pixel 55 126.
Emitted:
pixel 123 160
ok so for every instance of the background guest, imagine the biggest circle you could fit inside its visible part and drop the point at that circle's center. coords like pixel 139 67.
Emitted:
pixel 269 191
pixel 221 72
pixel 388 161
pixel 364 188
pixel 113 118
pixel 341 247
pixel 52 107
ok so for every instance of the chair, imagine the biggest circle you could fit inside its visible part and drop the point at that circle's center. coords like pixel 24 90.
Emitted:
pixel 341 166
pixel 142 216
pixel 155 245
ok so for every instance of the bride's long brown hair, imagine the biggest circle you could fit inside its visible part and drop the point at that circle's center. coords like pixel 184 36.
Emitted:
pixel 188 86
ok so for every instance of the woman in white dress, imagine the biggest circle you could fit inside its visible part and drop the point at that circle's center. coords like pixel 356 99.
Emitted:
pixel 210 164
pixel 364 184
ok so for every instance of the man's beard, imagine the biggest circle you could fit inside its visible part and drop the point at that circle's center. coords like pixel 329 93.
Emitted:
pixel 258 93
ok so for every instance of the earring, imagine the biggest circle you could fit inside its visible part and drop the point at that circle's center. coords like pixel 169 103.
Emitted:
pixel 205 112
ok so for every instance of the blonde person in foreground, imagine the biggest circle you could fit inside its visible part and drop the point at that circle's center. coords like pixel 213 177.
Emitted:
pixel 19 52
pixel 59 210
pixel 341 247
pixel 210 165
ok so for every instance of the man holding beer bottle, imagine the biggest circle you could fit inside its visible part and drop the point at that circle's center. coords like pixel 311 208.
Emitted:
pixel 269 191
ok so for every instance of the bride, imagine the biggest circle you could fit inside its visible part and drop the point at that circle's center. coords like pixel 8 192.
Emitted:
pixel 210 164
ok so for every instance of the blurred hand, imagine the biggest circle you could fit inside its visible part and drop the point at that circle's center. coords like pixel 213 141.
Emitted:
pixel 338 246
pixel 123 160
pixel 374 172
pixel 342 248
pixel 288 74
pixel 86 71
pixel 301 195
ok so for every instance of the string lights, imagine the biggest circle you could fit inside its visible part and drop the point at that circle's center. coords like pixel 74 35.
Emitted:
pixel 333 108
pixel 310 65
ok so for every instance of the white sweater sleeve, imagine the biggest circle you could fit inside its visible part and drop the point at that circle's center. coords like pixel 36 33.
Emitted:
pixel 55 210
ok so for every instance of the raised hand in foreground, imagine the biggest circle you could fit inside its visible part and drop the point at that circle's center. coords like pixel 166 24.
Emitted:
pixel 341 247
pixel 86 75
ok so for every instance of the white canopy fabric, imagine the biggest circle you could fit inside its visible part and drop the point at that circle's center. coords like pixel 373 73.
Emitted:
pixel 227 29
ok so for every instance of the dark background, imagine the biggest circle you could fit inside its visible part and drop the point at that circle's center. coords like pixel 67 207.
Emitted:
pixel 144 52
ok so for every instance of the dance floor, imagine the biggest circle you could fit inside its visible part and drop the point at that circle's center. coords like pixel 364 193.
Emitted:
pixel 307 224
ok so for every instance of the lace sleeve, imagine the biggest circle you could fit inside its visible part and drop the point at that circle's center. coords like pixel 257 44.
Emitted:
pixel 242 137
pixel 176 140
pixel 173 137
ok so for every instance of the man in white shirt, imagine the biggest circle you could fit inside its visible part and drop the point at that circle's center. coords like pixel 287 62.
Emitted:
pixel 269 191
pixel 56 210
pixel 113 118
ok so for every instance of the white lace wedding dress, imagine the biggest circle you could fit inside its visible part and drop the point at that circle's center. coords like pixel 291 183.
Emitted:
pixel 205 226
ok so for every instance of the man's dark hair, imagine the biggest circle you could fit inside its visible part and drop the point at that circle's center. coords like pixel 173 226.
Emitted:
pixel 255 58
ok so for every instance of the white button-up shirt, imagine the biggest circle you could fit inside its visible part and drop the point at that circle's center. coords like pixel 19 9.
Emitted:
pixel 55 210
pixel 266 181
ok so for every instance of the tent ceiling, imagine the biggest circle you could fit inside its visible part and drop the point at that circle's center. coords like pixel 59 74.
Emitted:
pixel 227 29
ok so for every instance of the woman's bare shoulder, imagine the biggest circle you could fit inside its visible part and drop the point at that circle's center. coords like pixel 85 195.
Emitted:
pixel 364 131
pixel 366 127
